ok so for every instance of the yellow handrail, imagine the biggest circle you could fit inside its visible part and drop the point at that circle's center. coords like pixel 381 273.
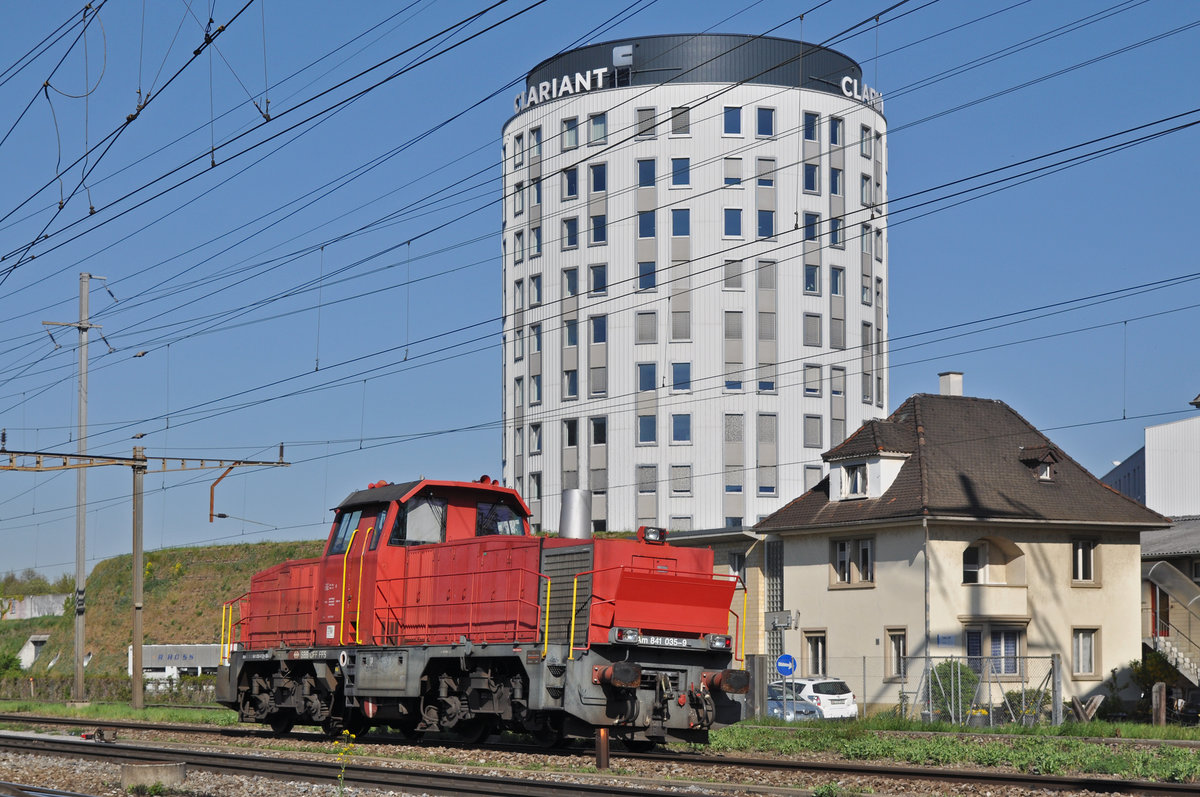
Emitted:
pixel 345 556
pixel 358 606
pixel 546 633
pixel 745 595
pixel 224 611
pixel 571 641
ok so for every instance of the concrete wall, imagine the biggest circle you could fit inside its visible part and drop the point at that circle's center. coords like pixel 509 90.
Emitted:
pixel 34 606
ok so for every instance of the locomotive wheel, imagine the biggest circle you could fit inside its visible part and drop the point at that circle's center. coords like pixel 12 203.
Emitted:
pixel 471 731
pixel 550 735
pixel 282 722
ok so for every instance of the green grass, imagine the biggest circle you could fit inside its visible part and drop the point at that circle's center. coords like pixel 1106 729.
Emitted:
pixel 98 712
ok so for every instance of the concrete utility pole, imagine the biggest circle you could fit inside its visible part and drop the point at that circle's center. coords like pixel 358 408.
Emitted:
pixel 77 691
pixel 48 460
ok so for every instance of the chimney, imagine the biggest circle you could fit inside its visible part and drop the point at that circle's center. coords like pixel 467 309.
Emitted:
pixel 950 383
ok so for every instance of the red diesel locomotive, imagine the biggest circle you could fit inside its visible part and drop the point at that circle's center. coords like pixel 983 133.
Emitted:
pixel 433 608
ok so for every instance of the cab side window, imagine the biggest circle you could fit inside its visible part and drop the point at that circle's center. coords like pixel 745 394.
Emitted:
pixel 497 519
pixel 347 523
pixel 421 520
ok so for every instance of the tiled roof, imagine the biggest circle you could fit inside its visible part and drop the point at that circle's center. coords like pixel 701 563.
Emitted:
pixel 1182 539
pixel 968 458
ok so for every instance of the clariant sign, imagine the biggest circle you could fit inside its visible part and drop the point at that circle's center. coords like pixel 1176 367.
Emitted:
pixel 553 89
pixel 866 94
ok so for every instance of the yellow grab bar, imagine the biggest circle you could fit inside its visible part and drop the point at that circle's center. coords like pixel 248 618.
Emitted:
pixel 546 633
pixel 571 641
pixel 358 606
pixel 345 556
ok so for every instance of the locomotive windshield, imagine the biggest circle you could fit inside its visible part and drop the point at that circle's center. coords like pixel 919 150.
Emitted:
pixel 347 523
pixel 497 519
pixel 421 520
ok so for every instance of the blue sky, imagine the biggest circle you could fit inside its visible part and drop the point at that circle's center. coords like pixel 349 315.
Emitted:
pixel 376 358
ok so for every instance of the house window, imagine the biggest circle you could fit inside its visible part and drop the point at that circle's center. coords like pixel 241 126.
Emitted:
pixel 599 431
pixel 535 187
pixel 535 290
pixel 853 561
pixel 599 229
pixel 518 345
pixel 645 327
pixel 535 338
pixel 766 122
pixel 681 222
pixel 866 559
pixel 681 169
pixel 737 567
pixel 1006 647
pixel 897 652
pixel 647 430
pixel 835 131
pixel 733 121
pixel 854 480
pixel 681 376
pixel 535 487
pixel 837 278
pixel 518 150
pixel 974 561
pixel 570 234
pixel 733 274
pixel 535 142
pixel 835 232
pixel 812 431
pixel 570 133
pixel 518 294
pixel 864 141
pixel 733 222
pixel 681 428
pixel 518 199
pixel 518 246
pixel 812 279
pixel 518 391
pixel 535 438
pixel 535 241
pixel 766 224
pixel 814 659
pixel 646 373
pixel 766 172
pixel 646 173
pixel 571 384
pixel 681 124
pixel 1083 560
pixel 1083 650
pixel 570 183
pixel 645 122
pixel 535 389
pixel 599 172
pixel 864 190
pixel 811 222
pixel 646 276
pixel 841 561
pixel 835 181
pixel 810 126
pixel 645 223
pixel 812 178
pixel 733 171
pixel 599 328
pixel 570 433
pixel 570 333
pixel 598 275
pixel 812 380
pixel 597 128
pixel 681 480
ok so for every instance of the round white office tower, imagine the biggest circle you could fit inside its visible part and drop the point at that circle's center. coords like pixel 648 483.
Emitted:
pixel 695 276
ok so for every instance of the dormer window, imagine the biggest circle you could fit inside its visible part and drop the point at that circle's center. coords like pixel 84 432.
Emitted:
pixel 1041 460
pixel 1045 471
pixel 854 480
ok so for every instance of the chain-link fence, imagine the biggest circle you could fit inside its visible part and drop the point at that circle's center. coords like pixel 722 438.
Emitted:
pixel 965 690
pixel 184 691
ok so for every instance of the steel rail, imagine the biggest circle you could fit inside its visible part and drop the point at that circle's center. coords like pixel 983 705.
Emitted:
pixel 362 776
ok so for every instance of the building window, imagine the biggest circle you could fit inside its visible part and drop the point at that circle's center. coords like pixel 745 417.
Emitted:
pixel 597 128
pixel 853 561
pixel 864 141
pixel 814 659
pixel 866 559
pixel 812 431
pixel 681 124
pixel 841 561
pixel 518 246
pixel 647 376
pixel 835 232
pixel 570 433
pixel 974 561
pixel 733 171
pixel 837 279
pixel 599 278
pixel 646 173
pixel 535 338
pixel 518 150
pixel 733 121
pixel 570 182
pixel 535 389
pixel 864 190
pixel 535 186
pixel 535 487
pixel 599 328
pixel 681 480
pixel 1083 556
pixel 854 481
pixel 681 376
pixel 681 222
pixel 570 133
pixel 647 479
pixel 570 333
pixel 733 522
pixel 812 380
pixel 765 122
pixel 681 171
pixel 518 294
pixel 733 222
pixel 812 178
pixel 571 384
pixel 812 279
pixel 645 328
pixel 879 244
pixel 645 220
pixel 835 131
pixel 646 276
pixel 599 431
pixel 812 329
pixel 733 275
pixel 518 392
pixel 1083 649
pixel 645 122
pixel 811 223
pixel 570 234
pixel 518 199
pixel 535 241
pixel 766 172
pixel 835 181
pixel 681 325
pixel 599 173
pixel 599 229
pixel 766 224
pixel 681 428
pixel 810 126
pixel 535 438
pixel 647 431
pixel 897 653
pixel 535 142
pixel 535 290
pixel 1006 647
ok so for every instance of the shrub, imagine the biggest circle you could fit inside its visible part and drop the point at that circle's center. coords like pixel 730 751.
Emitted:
pixel 952 689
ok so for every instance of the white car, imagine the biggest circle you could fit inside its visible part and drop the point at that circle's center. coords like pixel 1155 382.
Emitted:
pixel 832 695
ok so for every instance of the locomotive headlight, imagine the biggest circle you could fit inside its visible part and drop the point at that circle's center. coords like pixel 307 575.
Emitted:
pixel 626 636
pixel 719 641
pixel 655 535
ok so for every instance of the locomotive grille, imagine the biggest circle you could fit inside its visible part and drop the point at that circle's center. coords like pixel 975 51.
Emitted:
pixel 561 565
pixel 651 678
pixel 557 670
pixel 555 692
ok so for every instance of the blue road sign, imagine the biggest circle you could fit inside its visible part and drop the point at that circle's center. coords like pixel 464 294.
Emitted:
pixel 786 664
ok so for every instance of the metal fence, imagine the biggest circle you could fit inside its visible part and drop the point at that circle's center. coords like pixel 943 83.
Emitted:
pixel 965 690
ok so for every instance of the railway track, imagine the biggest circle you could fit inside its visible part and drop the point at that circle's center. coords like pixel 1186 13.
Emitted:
pixel 832 768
